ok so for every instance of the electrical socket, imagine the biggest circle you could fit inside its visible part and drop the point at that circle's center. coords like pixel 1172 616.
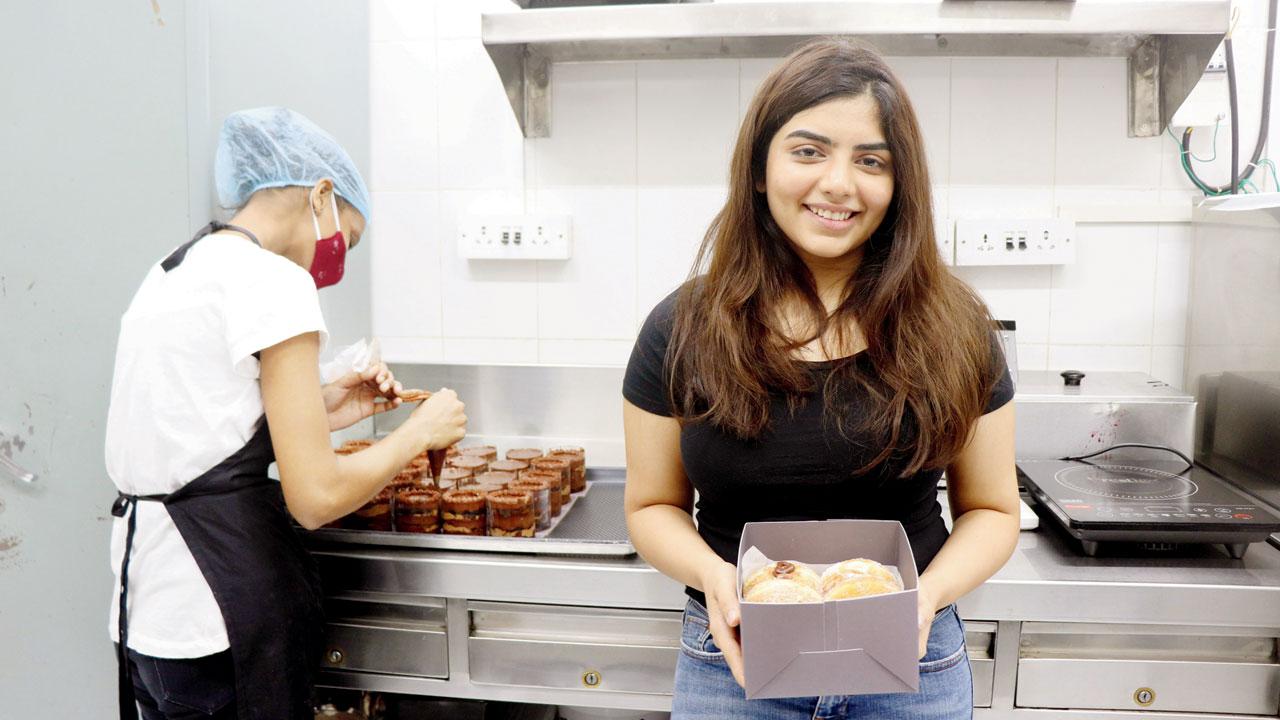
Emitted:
pixel 514 237
pixel 1042 241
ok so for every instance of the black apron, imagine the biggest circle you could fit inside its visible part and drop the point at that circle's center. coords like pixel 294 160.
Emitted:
pixel 234 521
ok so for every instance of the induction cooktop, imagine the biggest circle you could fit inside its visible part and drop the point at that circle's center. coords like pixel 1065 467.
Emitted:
pixel 1152 503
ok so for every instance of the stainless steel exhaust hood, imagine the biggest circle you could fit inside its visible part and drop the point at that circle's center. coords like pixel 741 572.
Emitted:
pixel 1168 42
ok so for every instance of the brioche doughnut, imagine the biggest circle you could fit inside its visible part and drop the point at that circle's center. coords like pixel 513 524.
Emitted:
pixel 788 570
pixel 782 591
pixel 861 586
pixel 857 578
pixel 856 567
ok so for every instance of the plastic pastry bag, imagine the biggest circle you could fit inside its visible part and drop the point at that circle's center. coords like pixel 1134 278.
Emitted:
pixel 357 357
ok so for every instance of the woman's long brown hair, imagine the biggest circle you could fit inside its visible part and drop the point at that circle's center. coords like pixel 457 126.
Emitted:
pixel 929 337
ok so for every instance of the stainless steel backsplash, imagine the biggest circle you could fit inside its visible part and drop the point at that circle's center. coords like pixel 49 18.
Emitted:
pixel 529 405
pixel 542 406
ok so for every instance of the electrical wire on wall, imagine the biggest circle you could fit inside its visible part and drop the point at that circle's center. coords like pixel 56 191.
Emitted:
pixel 1239 179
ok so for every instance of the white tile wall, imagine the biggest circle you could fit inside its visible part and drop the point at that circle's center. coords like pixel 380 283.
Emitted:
pixel 1002 120
pixel 1032 356
pixel 751 73
pixel 490 351
pixel 638 156
pixel 480 142
pixel 1173 284
pixel 985 201
pixel 484 298
pixel 461 18
pixel 392 20
pixel 1020 294
pixel 591 296
pixel 928 83
pixel 671 223
pixel 1092 146
pixel 410 349
pixel 404 145
pixel 683 108
pixel 1101 300
pixel 1168 362
pixel 1128 358
pixel 593 120
pixel 584 352
pixel 406 299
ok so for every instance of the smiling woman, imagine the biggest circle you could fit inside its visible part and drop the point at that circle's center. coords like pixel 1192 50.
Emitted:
pixel 829 181
pixel 825 365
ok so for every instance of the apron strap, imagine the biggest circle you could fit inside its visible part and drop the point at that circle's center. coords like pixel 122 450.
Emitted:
pixel 127 504
pixel 177 256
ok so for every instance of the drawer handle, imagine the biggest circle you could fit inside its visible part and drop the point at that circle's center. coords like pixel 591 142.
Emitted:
pixel 1144 696
pixel 335 656
pixel 592 679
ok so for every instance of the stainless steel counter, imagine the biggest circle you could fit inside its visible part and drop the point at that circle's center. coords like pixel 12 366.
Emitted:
pixel 1031 586
pixel 604 631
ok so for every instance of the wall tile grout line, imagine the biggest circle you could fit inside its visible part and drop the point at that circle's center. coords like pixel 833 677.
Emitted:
pixel 1155 295
pixel 440 249
pixel 1053 202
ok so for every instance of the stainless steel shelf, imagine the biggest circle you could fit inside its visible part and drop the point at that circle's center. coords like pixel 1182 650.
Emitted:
pixel 1168 42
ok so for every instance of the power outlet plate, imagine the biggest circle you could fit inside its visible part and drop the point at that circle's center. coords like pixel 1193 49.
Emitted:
pixel 946 240
pixel 1033 241
pixel 514 237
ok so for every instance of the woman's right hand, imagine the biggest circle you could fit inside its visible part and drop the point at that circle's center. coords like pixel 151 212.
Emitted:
pixel 440 420
pixel 720 585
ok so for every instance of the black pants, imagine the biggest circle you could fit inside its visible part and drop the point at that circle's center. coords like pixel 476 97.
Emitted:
pixel 184 688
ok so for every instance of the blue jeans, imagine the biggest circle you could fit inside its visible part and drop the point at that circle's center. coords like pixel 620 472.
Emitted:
pixel 706 690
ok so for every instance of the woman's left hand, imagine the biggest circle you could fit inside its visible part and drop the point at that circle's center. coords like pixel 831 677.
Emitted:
pixel 357 395
pixel 928 607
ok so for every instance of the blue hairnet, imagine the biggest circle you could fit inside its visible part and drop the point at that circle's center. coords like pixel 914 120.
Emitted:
pixel 277 147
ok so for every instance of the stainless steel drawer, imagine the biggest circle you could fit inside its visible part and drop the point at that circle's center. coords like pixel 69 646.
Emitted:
pixel 573 648
pixel 397 635
pixel 980 642
pixel 1147 668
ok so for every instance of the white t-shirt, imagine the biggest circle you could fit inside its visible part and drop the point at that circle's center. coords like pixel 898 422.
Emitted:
pixel 185 396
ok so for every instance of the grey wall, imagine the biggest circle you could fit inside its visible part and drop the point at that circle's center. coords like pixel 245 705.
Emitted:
pixel 93 190
pixel 100 101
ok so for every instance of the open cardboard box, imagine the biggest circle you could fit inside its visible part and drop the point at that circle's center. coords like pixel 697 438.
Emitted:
pixel 842 647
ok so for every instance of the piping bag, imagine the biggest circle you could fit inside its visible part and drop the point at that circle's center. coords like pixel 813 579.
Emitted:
pixel 435 458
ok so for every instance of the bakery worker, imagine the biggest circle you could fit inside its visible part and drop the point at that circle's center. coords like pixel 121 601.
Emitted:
pixel 217 376
pixel 824 364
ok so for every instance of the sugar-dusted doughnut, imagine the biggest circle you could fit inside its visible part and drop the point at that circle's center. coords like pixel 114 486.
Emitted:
pixel 782 591
pixel 788 570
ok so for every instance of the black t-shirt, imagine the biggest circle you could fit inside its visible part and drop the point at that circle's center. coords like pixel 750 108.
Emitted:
pixel 800 468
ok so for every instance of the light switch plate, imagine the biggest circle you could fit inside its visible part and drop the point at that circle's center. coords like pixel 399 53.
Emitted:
pixel 514 237
pixel 1022 241
pixel 945 238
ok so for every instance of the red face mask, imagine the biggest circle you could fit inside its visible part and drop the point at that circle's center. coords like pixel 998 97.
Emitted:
pixel 331 253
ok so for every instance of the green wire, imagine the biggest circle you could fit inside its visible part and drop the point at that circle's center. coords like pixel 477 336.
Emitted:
pixel 1217 123
pixel 1186 156
pixel 1275 182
